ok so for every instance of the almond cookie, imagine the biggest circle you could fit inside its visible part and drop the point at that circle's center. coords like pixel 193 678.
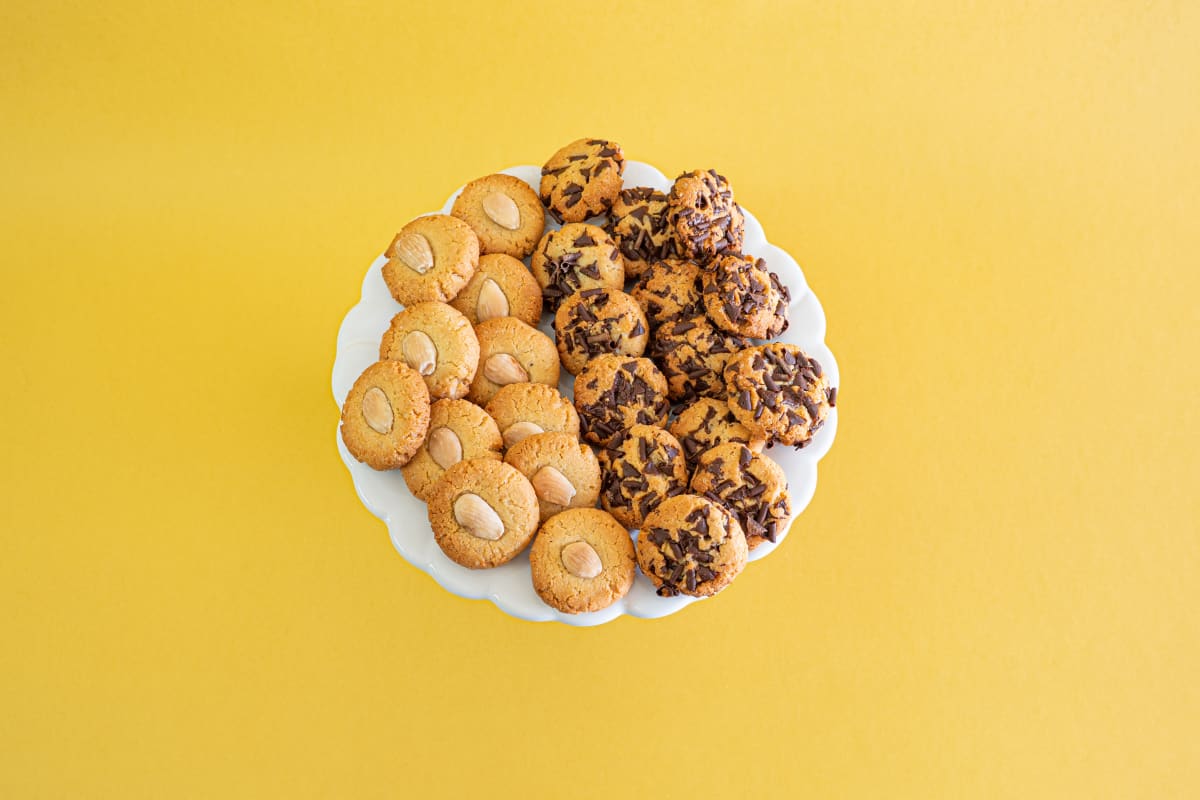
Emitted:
pixel 742 296
pixel 614 392
pixel 501 287
pixel 639 226
pixel 582 179
pixel 778 391
pixel 640 468
pixel 504 212
pixel 431 258
pixel 458 431
pixel 386 415
pixel 483 513
pixel 669 290
pixel 691 545
pixel 438 342
pixel 708 422
pixel 511 352
pixel 702 213
pixel 582 560
pixel 596 321
pixel 750 485
pixel 692 354
pixel 577 256
pixel 564 473
pixel 525 409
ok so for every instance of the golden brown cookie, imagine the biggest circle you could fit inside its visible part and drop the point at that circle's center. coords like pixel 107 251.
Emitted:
pixel 432 258
pixel 708 422
pixel 511 352
pixel 742 296
pixel 668 291
pixel 501 287
pixel 564 473
pixel 458 431
pixel 640 468
pixel 691 545
pixel 750 485
pixel 778 391
pixel 614 392
pixel 692 354
pixel 639 226
pixel 483 513
pixel 386 415
pixel 582 560
pixel 596 321
pixel 525 409
pixel 438 342
pixel 582 179
pixel 703 215
pixel 504 212
pixel 577 256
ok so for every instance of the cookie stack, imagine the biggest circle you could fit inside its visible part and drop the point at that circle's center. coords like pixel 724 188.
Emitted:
pixel 674 401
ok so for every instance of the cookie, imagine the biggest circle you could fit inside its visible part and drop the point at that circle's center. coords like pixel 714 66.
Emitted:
pixel 458 431
pixel 596 321
pixel 564 473
pixel 582 560
pixel 386 415
pixel 703 215
pixel 669 290
pixel 525 409
pixel 582 179
pixel 438 342
pixel 638 224
pixel 483 513
pixel 742 296
pixel 691 545
pixel 692 355
pixel 750 485
pixel 511 352
pixel 640 468
pixel 577 256
pixel 431 258
pixel 504 212
pixel 615 392
pixel 708 422
pixel 501 287
pixel 778 391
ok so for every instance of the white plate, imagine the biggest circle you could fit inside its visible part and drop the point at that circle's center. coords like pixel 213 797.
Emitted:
pixel 385 495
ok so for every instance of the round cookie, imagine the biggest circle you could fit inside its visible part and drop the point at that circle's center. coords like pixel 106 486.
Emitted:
pixel 615 392
pixel 691 545
pixel 525 409
pixel 431 258
pixel 438 342
pixel 458 431
pixel 778 391
pixel 751 485
pixel 582 560
pixel 742 296
pixel 582 179
pixel 692 354
pixel 511 352
pixel 702 214
pixel 576 256
pixel 596 321
pixel 483 513
pixel 708 422
pixel 501 287
pixel 504 212
pixel 641 467
pixel 564 473
pixel 669 290
pixel 386 415
pixel 639 226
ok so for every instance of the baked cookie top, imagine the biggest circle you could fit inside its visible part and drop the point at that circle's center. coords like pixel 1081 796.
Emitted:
pixel 582 179
pixel 525 409
pixel 501 287
pixel 386 415
pixel 703 215
pixel 511 352
pixel 692 354
pixel 708 422
pixel 483 513
pixel 596 321
pixel 504 212
pixel 638 224
pixel 458 431
pixel 438 342
pixel 431 258
pixel 669 290
pixel 779 392
pixel 577 256
pixel 582 560
pixel 742 296
pixel 564 473
pixel 640 468
pixel 615 392
pixel 751 485
pixel 691 545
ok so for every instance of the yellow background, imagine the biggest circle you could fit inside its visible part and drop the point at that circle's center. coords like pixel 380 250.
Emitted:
pixel 993 594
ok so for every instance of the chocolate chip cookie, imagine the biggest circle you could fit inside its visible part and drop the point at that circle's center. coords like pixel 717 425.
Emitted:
pixel 582 179
pixel 596 321
pixel 742 296
pixel 577 256
pixel 750 485
pixel 432 258
pixel 501 287
pixel 638 224
pixel 691 545
pixel 778 391
pixel 614 392
pixel 438 342
pixel 708 422
pixel 669 290
pixel 386 415
pixel 703 215
pixel 692 354
pixel 483 513
pixel 582 560
pixel 640 468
